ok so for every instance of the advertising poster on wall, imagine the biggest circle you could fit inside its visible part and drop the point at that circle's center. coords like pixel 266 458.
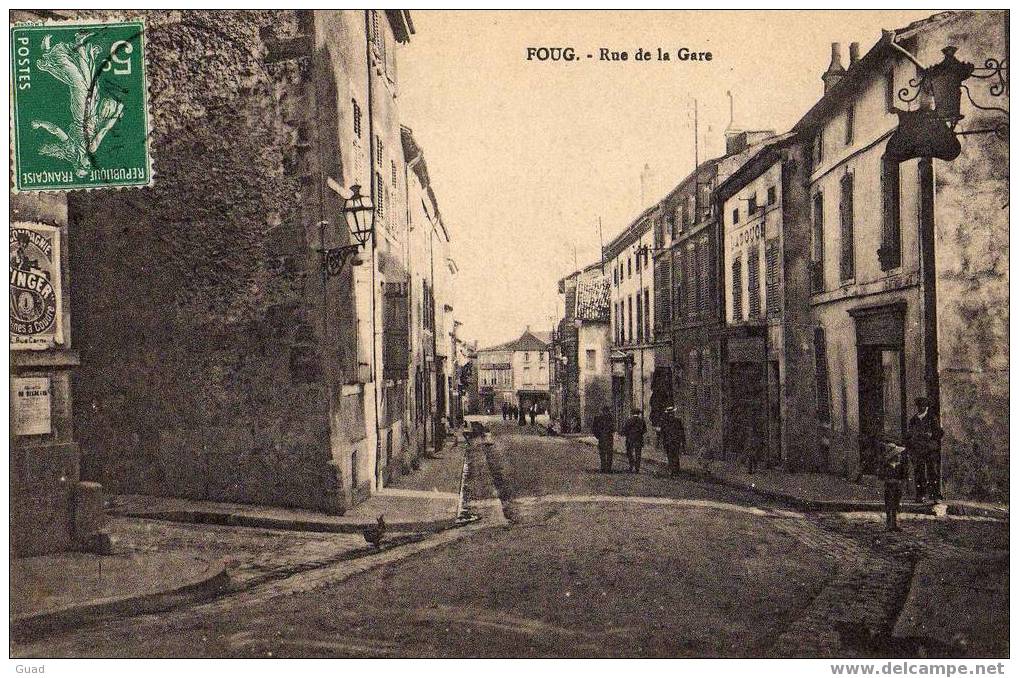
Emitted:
pixel 35 313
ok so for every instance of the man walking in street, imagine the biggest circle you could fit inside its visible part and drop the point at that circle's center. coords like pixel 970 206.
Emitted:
pixel 505 411
pixel 604 429
pixel 533 413
pixel 923 441
pixel 634 429
pixel 673 439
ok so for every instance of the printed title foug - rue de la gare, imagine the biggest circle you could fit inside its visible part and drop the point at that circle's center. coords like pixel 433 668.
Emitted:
pixel 606 54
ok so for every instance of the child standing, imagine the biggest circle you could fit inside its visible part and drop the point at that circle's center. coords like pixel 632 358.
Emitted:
pixel 893 471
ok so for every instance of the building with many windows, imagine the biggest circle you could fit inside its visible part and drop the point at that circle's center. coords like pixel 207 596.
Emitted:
pixel 628 260
pixel 516 372
pixel 908 284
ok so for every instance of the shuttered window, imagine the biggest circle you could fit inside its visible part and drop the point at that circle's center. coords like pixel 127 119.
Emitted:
pixel 817 249
pixel 890 252
pixel 771 277
pixel 640 318
pixel 754 280
pixel 737 288
pixel 380 196
pixel 647 314
pixel 679 280
pixel 703 276
pixel 847 258
pixel 821 373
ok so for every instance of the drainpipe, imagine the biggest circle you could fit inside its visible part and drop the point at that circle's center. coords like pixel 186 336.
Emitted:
pixel 928 266
pixel 374 240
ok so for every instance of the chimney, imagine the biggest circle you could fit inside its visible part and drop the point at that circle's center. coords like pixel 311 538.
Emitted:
pixel 854 53
pixel 835 70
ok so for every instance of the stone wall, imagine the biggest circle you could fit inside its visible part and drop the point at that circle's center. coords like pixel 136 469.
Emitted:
pixel 971 245
pixel 198 299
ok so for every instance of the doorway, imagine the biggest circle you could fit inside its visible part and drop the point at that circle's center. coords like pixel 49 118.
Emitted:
pixel 882 401
pixel 747 413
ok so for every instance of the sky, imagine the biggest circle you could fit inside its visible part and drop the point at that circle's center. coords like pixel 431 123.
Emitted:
pixel 528 157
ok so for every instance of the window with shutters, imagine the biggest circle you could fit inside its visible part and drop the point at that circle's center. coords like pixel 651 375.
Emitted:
pixel 754 281
pixel 817 245
pixel 737 288
pixel 357 118
pixel 890 252
pixel 821 375
pixel 847 251
pixel 850 123
pixel 771 273
pixel 629 320
pixel 393 168
pixel 428 310
pixel 691 280
pixel 752 204
pixel 640 318
pixel 378 150
pixel 395 353
pixel 380 196
pixel 679 280
pixel 735 216
pixel 704 276
pixel 818 150
pixel 772 195
pixel 647 314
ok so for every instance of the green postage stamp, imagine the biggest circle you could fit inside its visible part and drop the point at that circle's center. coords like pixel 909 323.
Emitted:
pixel 79 117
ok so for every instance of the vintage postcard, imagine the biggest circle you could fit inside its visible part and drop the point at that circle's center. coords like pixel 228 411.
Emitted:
pixel 411 333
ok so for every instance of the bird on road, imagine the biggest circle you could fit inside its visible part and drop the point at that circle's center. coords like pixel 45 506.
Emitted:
pixel 373 534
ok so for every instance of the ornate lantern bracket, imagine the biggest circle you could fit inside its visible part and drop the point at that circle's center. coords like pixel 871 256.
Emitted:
pixel 943 85
pixel 359 217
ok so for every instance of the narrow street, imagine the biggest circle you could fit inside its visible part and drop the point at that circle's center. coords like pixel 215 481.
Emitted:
pixel 584 564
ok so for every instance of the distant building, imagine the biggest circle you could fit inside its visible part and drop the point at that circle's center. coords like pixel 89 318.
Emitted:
pixel 515 373
pixel 583 344
pixel 628 259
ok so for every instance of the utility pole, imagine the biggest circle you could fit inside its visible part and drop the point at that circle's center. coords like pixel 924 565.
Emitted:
pixel 601 246
pixel 696 164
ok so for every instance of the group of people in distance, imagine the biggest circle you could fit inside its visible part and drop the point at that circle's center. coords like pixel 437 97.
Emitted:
pixel 520 414
pixel 922 452
pixel 670 432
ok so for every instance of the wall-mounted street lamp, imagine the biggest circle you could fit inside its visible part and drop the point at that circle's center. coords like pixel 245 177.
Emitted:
pixel 931 132
pixel 359 218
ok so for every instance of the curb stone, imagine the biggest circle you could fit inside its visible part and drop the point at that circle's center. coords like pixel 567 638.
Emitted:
pixel 28 625
pixel 293 525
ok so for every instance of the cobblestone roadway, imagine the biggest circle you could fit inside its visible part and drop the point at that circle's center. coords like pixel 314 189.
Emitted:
pixel 704 571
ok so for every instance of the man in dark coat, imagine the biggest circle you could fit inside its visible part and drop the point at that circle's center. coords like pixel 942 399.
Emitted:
pixel 604 429
pixel 923 441
pixel 673 439
pixel 505 411
pixel 634 430
pixel 533 413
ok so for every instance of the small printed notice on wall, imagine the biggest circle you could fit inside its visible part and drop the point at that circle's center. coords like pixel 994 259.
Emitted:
pixel 30 398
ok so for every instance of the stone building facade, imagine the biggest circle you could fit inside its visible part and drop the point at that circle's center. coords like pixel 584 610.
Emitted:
pixel 628 262
pixel 581 358
pixel 220 360
pixel 908 291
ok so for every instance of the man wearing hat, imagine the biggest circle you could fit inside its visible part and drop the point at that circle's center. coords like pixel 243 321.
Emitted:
pixel 673 438
pixel 604 429
pixel 923 441
pixel 634 430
